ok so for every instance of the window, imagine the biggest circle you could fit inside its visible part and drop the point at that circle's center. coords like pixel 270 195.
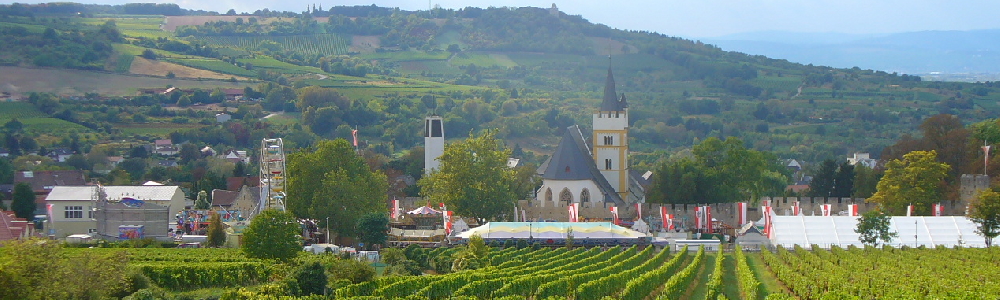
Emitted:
pixel 585 195
pixel 90 212
pixel 73 212
pixel 566 196
pixel 91 230
pixel 548 194
pixel 609 140
pixel 607 164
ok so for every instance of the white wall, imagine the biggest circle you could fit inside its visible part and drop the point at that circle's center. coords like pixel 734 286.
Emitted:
pixel 575 187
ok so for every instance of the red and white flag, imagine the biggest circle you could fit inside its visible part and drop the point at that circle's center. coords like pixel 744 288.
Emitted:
pixel 354 133
pixel 614 214
pixel 796 209
pixel 853 209
pixel 770 222
pixel 447 222
pixel 697 217
pixel 708 218
pixel 767 203
pixel 638 211
pixel 572 208
pixel 827 210
pixel 909 210
pixel 938 209
pixel 395 208
pixel 741 213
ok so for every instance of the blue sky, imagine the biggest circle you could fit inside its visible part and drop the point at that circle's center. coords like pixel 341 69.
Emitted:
pixel 701 18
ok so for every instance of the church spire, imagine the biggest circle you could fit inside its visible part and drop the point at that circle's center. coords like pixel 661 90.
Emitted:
pixel 610 102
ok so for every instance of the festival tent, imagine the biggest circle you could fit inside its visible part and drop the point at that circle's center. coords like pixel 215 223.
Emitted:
pixel 594 233
pixel 839 231
pixel 423 210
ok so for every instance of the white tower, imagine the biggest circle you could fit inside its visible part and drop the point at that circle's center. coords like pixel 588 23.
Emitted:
pixel 611 138
pixel 433 142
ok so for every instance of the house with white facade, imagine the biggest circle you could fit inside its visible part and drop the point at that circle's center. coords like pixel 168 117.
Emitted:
pixel 71 208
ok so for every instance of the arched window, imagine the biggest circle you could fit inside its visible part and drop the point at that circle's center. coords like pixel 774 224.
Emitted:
pixel 565 196
pixel 548 194
pixel 585 195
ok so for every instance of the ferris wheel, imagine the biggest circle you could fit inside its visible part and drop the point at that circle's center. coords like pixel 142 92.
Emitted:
pixel 272 175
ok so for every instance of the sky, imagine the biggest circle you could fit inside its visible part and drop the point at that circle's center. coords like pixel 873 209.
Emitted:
pixel 697 18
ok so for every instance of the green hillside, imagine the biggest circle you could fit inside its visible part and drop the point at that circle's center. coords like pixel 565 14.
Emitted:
pixel 531 73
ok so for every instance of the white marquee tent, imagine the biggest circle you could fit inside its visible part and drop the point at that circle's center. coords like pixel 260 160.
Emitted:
pixel 839 231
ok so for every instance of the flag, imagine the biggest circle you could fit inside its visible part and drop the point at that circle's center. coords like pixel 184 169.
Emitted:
pixel 664 216
pixel 48 208
pixel 767 220
pixel 827 210
pixel 770 222
pixel 853 209
pixel 354 133
pixel 447 222
pixel 986 157
pixel 614 214
pixel 767 203
pixel 708 218
pixel 795 208
pixel 395 208
pixel 670 221
pixel 524 216
pixel 572 208
pixel 697 217
pixel 741 213
pixel 938 209
pixel 638 210
pixel 909 210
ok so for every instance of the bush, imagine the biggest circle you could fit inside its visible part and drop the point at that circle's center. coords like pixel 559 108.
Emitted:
pixel 309 279
pixel 352 270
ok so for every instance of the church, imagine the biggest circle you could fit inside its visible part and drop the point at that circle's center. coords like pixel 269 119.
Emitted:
pixel 580 173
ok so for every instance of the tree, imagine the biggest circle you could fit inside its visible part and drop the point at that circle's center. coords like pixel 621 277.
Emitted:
pixel 216 232
pixel 917 180
pixel 823 182
pixel 454 48
pixel 738 173
pixel 985 212
pixel 189 152
pixel 372 229
pixel 473 179
pixel 6 172
pixel 148 54
pixel 273 234
pixel 331 181
pixel 310 279
pixel 171 75
pixel 865 181
pixel 873 228
pixel 474 256
pixel 24 201
pixel 843 182
pixel 42 269
pixel 13 125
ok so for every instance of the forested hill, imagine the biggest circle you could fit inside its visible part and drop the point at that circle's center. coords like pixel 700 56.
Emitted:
pixel 528 71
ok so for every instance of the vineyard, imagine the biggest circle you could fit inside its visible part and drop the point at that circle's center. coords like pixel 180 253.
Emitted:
pixel 324 44
pixel 35 121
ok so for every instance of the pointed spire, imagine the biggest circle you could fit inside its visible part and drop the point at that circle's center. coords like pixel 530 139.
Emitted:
pixel 610 102
pixel 623 103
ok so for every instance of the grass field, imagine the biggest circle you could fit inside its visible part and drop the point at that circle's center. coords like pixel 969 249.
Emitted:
pixel 482 60
pixel 213 65
pixel 78 82
pixel 34 120
pixel 161 68
pixel 32 28
pixel 265 62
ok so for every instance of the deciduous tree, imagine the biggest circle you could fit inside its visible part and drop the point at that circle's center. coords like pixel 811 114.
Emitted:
pixel 24 201
pixel 473 179
pixel 917 180
pixel 331 181
pixel 985 212
pixel 373 228
pixel 273 234
pixel 873 228
pixel 216 232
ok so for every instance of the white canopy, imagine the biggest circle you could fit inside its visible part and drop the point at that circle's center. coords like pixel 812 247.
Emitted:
pixel 839 231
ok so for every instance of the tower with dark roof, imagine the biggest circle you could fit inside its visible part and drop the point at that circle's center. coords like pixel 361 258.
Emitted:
pixel 610 151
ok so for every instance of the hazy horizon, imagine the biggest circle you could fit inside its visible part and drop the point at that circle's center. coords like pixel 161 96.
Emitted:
pixel 699 19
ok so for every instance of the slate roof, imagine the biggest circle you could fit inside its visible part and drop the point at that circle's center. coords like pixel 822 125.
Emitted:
pixel 611 101
pixel 235 183
pixel 573 161
pixel 223 197
pixel 41 179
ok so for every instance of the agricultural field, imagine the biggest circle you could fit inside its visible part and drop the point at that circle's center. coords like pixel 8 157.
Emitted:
pixel 482 60
pixel 407 55
pixel 264 62
pixel 323 44
pixel 35 121
pixel 134 26
pixel 212 64
pixel 144 66
pixel 78 82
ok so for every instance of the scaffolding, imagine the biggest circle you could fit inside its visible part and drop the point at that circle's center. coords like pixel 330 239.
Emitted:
pixel 272 175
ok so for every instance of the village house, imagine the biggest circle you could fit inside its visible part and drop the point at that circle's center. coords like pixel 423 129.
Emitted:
pixel 165 147
pixel 71 208
pixel 42 182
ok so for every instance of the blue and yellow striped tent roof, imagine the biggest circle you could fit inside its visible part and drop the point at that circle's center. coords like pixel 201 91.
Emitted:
pixel 551 230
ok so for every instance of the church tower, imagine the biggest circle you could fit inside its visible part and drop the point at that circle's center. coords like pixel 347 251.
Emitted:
pixel 611 138
pixel 433 143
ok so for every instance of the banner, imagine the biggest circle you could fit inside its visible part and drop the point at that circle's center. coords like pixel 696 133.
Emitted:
pixel 664 217
pixel 697 217
pixel 614 214
pixel 524 216
pixel 573 212
pixel 741 213
pixel 395 209
pixel 447 222
pixel 909 210
pixel 708 218
pixel 827 210
pixel 796 209
pixel 638 211
pixel 853 210
pixel 354 133
pixel 938 209
pixel 770 223
pixel 767 203
pixel 670 221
